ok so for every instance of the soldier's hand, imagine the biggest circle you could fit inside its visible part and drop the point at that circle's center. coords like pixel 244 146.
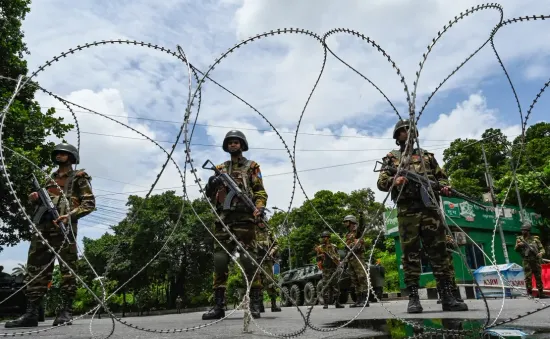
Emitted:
pixel 259 212
pixel 446 190
pixel 33 196
pixel 62 218
pixel 400 181
pixel 539 255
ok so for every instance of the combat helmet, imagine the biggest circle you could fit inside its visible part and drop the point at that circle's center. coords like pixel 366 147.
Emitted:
pixel 325 234
pixel 526 226
pixel 350 218
pixel 235 134
pixel 400 124
pixel 65 147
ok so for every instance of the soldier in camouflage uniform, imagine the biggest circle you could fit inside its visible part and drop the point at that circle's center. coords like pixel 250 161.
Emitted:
pixel 327 261
pixel 355 270
pixel 265 239
pixel 82 203
pixel 239 220
pixel 418 220
pixel 531 250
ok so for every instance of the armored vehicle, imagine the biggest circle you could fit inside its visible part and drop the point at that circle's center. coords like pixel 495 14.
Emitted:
pixel 16 304
pixel 303 283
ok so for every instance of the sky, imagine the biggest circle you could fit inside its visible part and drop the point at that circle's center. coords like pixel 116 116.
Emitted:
pixel 347 124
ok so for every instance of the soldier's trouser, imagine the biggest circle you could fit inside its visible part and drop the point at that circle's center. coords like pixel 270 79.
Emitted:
pixel 40 258
pixel 531 267
pixel 332 286
pixel 424 225
pixel 246 234
pixel 451 269
pixel 357 275
pixel 269 286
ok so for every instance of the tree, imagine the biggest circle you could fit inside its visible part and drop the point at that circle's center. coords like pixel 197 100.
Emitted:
pixel 465 166
pixel 21 269
pixel 26 127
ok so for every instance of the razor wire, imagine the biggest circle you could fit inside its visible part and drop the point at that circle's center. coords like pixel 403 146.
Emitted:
pixel 410 98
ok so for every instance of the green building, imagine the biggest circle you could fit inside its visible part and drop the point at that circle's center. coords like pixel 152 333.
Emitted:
pixel 479 224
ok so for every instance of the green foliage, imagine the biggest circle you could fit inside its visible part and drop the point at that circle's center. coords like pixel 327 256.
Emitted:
pixel 26 126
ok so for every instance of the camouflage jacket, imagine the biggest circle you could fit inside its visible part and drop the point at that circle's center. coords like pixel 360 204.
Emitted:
pixel 351 239
pixel 248 176
pixel 264 239
pixel 411 191
pixel 327 256
pixel 81 197
pixel 528 252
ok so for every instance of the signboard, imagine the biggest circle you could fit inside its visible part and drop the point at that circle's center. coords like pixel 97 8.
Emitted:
pixel 488 276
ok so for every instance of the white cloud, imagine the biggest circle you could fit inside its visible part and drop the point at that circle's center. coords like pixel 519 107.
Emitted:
pixel 275 75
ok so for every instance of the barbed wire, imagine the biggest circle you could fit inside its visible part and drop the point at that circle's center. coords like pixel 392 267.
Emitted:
pixel 193 73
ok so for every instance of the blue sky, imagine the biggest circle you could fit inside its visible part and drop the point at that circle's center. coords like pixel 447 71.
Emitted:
pixel 275 75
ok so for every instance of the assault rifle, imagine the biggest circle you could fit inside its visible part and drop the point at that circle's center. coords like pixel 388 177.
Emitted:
pixel 423 183
pixel 528 249
pixel 48 203
pixel 234 190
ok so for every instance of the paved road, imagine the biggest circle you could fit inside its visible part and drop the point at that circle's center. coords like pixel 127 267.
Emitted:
pixel 289 320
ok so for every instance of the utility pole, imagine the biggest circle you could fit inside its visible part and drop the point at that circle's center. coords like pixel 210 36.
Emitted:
pixel 516 184
pixel 489 181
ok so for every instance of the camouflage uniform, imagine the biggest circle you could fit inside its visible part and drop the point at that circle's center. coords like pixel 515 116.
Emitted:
pixel 526 245
pixel 451 271
pixel 240 221
pixel 355 270
pixel 327 261
pixel 265 239
pixel 82 202
pixel 417 222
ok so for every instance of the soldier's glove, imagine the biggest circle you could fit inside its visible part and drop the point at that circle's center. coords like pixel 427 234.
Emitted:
pixel 214 181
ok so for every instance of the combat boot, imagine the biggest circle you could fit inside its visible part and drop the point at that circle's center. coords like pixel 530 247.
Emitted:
pixel 542 295
pixel 448 301
pixel 65 313
pixel 361 298
pixel 337 302
pixel 414 305
pixel 456 294
pixel 41 313
pixel 29 319
pixel 327 300
pixel 274 307
pixel 256 302
pixel 262 307
pixel 218 311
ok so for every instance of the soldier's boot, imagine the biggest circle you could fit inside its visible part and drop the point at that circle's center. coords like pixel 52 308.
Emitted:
pixel 262 307
pixel 65 313
pixel 361 298
pixel 414 305
pixel 541 294
pixel 337 301
pixel 327 300
pixel 274 307
pixel 218 311
pixel 256 301
pixel 448 301
pixel 29 318
pixel 41 313
pixel 456 294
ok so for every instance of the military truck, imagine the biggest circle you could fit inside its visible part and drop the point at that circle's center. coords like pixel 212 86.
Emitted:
pixel 16 304
pixel 303 283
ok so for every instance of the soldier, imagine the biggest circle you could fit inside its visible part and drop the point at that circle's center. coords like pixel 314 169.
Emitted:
pixel 265 238
pixel 239 220
pixel 531 251
pixel 417 219
pixel 452 275
pixel 82 203
pixel 355 269
pixel 327 261
pixel 179 301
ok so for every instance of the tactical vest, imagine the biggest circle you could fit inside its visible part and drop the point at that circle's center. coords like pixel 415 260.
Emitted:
pixel 242 179
pixel 350 241
pixel 411 191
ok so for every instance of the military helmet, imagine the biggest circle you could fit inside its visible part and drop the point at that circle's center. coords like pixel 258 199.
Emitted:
pixel 65 147
pixel 400 124
pixel 325 234
pixel 350 218
pixel 526 226
pixel 235 134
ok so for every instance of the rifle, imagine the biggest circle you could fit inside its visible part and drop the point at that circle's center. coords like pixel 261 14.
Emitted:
pixel 423 182
pixel 528 248
pixel 234 190
pixel 48 203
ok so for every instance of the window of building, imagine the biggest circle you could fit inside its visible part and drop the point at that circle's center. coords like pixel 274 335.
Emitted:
pixel 474 256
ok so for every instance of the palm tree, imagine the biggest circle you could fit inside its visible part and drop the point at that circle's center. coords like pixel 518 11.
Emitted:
pixel 20 270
